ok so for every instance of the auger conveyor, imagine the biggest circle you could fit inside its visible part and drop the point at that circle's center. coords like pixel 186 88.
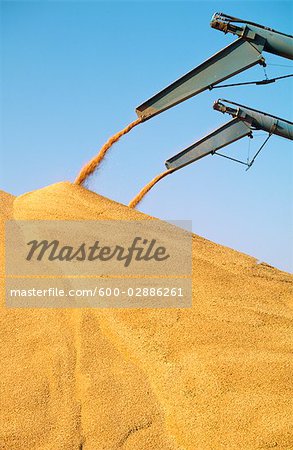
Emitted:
pixel 245 121
pixel 245 52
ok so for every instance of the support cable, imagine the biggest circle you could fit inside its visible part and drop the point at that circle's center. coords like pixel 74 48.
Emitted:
pixel 248 164
pixel 257 82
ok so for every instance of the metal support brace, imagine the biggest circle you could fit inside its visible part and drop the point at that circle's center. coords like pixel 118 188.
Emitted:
pixel 274 126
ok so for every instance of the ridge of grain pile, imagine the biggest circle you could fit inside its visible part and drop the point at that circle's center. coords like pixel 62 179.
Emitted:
pixel 215 376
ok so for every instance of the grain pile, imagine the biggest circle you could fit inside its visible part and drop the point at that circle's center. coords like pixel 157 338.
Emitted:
pixel 216 376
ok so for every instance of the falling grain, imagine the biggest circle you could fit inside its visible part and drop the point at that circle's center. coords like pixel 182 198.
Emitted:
pixel 91 166
pixel 137 199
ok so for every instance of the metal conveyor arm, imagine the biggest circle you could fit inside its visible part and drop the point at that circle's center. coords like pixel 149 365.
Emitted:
pixel 236 57
pixel 244 121
pixel 242 54
pixel 222 136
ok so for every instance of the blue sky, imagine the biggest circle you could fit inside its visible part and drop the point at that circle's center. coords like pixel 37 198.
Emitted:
pixel 72 74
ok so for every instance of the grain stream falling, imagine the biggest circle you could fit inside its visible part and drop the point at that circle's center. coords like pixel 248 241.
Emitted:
pixel 92 165
pixel 138 198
